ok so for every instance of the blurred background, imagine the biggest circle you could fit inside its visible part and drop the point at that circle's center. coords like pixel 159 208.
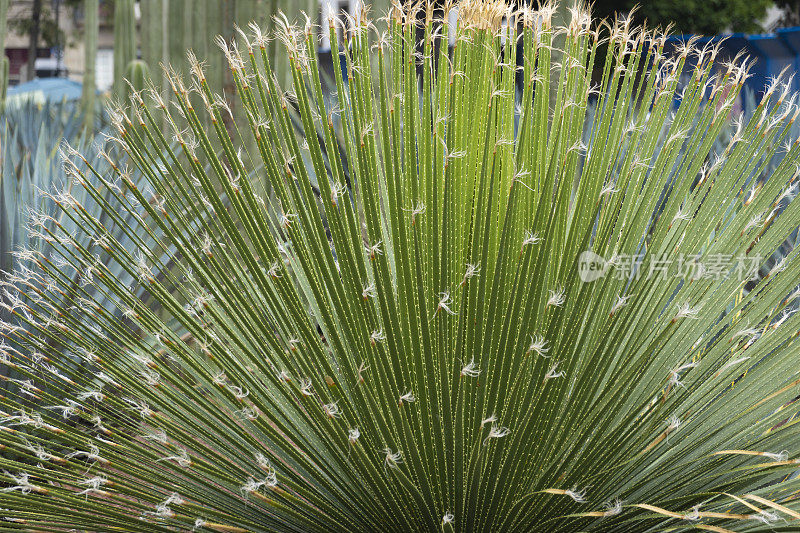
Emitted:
pixel 47 39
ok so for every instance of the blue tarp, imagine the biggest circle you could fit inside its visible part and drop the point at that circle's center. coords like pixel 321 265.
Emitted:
pixel 770 53
pixel 51 89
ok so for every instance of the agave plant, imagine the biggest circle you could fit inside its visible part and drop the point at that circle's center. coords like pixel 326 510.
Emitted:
pixel 32 177
pixel 30 135
pixel 467 334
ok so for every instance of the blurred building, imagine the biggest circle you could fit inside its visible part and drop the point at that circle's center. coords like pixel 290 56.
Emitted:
pixel 65 56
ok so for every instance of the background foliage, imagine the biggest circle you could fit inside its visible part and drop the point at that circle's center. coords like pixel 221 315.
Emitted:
pixel 692 16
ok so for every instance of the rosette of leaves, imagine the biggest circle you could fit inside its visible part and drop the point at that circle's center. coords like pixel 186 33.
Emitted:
pixel 419 347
